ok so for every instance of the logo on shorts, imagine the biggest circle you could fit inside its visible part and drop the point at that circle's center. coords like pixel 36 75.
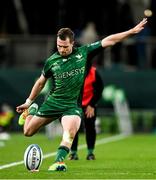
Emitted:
pixel 39 113
pixel 77 111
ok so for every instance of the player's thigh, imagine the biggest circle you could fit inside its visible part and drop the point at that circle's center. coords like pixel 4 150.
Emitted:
pixel 71 122
pixel 36 122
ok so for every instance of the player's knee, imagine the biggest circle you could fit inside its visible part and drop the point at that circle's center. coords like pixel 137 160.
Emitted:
pixel 28 132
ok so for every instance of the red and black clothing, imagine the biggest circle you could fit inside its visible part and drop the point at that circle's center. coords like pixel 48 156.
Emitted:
pixel 92 91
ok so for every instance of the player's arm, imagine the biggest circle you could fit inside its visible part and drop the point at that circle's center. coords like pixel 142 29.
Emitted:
pixel 38 86
pixel 115 38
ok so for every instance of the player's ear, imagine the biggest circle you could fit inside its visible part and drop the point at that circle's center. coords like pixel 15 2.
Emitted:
pixel 73 43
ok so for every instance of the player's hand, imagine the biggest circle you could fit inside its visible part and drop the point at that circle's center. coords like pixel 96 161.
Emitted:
pixel 22 108
pixel 90 111
pixel 139 27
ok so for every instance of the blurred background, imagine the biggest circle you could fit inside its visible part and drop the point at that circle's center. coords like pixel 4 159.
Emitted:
pixel 27 37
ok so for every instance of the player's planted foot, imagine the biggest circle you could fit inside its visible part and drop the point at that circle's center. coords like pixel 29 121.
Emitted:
pixel 73 156
pixel 90 157
pixel 58 166
pixel 31 110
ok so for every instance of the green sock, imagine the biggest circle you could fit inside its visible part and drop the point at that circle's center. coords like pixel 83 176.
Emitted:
pixel 61 153
pixel 90 151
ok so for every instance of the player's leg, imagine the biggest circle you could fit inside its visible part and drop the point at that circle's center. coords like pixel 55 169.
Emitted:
pixel 70 124
pixel 73 155
pixel 34 123
pixel 31 110
pixel 90 136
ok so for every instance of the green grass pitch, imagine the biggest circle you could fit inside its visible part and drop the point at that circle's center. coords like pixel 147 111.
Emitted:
pixel 133 157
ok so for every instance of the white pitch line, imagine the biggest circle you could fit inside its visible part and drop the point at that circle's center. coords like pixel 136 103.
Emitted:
pixel 106 140
pixel 11 164
pixel 98 142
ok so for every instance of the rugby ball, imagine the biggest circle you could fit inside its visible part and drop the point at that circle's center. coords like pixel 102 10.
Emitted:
pixel 33 157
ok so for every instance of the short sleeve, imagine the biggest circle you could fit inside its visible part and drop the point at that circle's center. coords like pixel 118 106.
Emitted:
pixel 46 71
pixel 94 46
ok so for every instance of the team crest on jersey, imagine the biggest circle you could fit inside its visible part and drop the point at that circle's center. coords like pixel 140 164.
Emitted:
pixel 79 57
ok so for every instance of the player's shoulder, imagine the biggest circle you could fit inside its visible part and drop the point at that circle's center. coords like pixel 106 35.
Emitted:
pixel 89 45
pixel 80 48
pixel 52 58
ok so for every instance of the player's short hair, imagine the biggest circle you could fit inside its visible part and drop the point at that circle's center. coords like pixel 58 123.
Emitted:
pixel 65 33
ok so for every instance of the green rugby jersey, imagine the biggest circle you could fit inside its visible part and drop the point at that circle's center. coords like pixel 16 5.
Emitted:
pixel 67 75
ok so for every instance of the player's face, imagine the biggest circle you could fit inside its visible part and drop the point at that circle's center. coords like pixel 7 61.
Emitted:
pixel 64 47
